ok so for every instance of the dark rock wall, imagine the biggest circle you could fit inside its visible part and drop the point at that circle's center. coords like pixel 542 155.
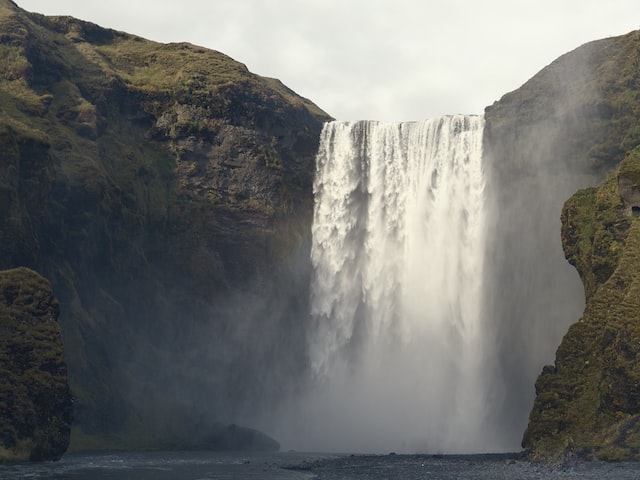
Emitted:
pixel 172 215
pixel 35 400
pixel 26 180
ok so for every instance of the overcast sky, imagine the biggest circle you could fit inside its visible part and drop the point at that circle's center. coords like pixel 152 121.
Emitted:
pixel 374 59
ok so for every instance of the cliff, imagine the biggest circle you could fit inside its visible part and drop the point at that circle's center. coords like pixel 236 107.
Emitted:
pixel 565 129
pixel 588 403
pixel 35 400
pixel 574 125
pixel 165 191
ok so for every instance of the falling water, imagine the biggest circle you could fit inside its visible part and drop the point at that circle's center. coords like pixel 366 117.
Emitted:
pixel 398 348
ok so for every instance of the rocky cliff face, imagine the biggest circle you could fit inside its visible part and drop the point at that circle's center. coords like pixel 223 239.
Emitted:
pixel 588 403
pixel 35 400
pixel 166 193
pixel 579 116
pixel 565 129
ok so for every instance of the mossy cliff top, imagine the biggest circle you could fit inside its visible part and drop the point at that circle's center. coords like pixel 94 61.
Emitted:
pixel 580 110
pixel 166 192
pixel 35 402
pixel 588 403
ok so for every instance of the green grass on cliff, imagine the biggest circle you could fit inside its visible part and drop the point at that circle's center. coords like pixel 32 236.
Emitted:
pixel 630 166
pixel 596 86
pixel 589 402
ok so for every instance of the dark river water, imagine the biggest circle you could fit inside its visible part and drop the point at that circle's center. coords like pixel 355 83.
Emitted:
pixel 303 466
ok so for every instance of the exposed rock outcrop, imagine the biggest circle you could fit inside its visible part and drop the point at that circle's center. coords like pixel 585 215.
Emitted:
pixel 165 191
pixel 35 399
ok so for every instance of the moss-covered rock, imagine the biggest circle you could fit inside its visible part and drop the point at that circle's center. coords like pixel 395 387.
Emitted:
pixel 35 399
pixel 588 403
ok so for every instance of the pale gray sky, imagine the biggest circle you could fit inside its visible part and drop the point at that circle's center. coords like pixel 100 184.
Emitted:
pixel 374 59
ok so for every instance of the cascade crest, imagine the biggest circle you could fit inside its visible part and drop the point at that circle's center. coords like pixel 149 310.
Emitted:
pixel 398 246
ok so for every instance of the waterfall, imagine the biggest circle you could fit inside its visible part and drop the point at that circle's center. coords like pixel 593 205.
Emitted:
pixel 398 350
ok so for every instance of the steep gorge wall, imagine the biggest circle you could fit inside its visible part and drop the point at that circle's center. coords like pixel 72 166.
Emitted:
pixel 587 403
pixel 567 128
pixel 166 193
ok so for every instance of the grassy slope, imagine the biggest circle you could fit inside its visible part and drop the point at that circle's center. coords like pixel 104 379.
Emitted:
pixel 590 97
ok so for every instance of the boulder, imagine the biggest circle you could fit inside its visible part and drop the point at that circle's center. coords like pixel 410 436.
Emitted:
pixel 35 399
pixel 235 438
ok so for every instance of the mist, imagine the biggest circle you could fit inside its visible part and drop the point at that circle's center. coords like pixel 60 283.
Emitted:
pixel 396 345
pixel 421 376
pixel 536 156
pixel 414 314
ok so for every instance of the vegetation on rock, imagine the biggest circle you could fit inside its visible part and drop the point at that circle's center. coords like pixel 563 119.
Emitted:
pixel 582 109
pixel 565 129
pixel 588 404
pixel 165 191
pixel 35 400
